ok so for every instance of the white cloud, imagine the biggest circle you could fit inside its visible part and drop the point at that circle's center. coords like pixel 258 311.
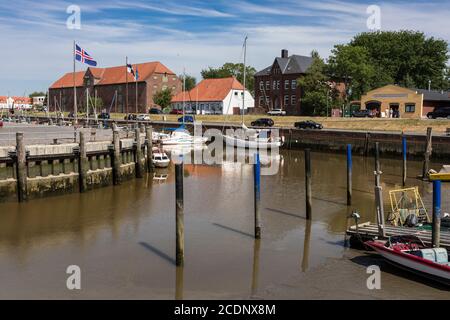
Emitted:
pixel 39 47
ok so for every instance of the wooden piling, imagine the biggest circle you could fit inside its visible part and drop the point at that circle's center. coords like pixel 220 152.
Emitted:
pixel 379 192
pixel 117 158
pixel 179 214
pixel 428 151
pixel 257 195
pixel 149 135
pixel 21 167
pixel 349 175
pixel 436 229
pixel 308 187
pixel 83 163
pixel 404 154
pixel 139 165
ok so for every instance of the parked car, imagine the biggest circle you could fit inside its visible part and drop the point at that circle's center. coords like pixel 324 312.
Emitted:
pixel 1 123
pixel 187 119
pixel 263 122
pixel 143 117
pixel 362 114
pixel 176 111
pixel 439 113
pixel 276 112
pixel 309 124
pixel 155 111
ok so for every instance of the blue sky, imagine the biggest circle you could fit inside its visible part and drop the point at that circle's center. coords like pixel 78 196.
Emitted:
pixel 190 34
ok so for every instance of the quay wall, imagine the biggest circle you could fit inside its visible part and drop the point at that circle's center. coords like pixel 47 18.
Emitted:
pixel 54 169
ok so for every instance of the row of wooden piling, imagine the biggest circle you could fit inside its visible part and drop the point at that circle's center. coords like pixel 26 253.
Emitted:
pixel 83 161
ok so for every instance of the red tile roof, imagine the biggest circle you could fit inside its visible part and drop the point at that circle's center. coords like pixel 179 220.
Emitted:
pixel 210 90
pixel 25 100
pixel 113 75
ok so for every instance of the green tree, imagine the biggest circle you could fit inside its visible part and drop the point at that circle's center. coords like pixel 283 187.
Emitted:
pixel 319 95
pixel 232 70
pixel 37 94
pixel 163 98
pixel 191 82
pixel 409 58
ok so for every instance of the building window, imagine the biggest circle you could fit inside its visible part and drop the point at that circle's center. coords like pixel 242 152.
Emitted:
pixel 261 85
pixel 261 100
pixel 278 84
pixel 267 85
pixel 410 107
pixel 286 84
pixel 274 84
pixel 286 100
pixel 293 100
pixel 235 93
pixel 294 84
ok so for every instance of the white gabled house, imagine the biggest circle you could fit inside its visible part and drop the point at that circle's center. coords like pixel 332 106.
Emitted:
pixel 214 96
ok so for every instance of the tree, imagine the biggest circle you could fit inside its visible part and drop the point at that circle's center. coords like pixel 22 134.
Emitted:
pixel 319 94
pixel 37 94
pixel 232 70
pixel 163 98
pixel 353 65
pixel 409 58
pixel 190 81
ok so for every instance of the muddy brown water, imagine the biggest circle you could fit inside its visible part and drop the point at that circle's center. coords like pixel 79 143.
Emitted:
pixel 123 237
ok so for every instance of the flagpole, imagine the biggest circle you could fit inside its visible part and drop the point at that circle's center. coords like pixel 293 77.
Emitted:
pixel 136 79
pixel 126 79
pixel 75 111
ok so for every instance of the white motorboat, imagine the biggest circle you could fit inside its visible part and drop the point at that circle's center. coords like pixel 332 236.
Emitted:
pixel 182 137
pixel 253 139
pixel 160 159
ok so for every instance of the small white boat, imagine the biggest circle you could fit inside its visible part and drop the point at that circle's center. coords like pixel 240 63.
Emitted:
pixel 160 159
pixel 156 136
pixel 182 137
pixel 253 139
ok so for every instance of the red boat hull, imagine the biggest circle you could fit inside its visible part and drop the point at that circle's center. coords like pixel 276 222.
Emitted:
pixel 418 265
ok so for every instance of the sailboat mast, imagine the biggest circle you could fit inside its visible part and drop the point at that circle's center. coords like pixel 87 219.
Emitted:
pixel 184 91
pixel 245 74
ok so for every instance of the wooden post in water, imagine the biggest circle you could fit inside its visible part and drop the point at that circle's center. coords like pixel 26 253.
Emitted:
pixel 429 149
pixel 179 215
pixel 83 163
pixel 117 158
pixel 379 192
pixel 257 195
pixel 308 187
pixel 21 167
pixel 436 230
pixel 139 165
pixel 349 175
pixel 404 153
pixel 149 135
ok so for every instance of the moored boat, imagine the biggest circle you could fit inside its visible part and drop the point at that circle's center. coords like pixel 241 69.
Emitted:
pixel 160 159
pixel 410 253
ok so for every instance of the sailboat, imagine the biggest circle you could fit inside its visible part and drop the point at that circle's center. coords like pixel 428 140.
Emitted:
pixel 251 138
pixel 181 136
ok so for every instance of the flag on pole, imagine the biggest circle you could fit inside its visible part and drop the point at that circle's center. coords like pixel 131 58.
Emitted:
pixel 84 57
pixel 131 70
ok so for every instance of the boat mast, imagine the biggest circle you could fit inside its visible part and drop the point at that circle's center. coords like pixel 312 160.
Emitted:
pixel 245 74
pixel 184 91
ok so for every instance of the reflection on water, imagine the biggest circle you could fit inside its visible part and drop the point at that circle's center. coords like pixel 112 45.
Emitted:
pixel 123 237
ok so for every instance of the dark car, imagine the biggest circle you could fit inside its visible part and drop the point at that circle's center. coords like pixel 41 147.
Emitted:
pixel 155 111
pixel 263 122
pixel 176 111
pixel 362 114
pixel 439 113
pixel 308 125
pixel 186 119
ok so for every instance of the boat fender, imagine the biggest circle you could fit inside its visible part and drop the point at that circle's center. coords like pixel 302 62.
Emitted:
pixel 411 221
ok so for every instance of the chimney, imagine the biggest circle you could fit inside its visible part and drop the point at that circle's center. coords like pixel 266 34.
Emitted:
pixel 284 53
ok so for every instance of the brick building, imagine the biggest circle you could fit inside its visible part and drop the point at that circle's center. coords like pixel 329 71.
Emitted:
pixel 109 84
pixel 276 86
